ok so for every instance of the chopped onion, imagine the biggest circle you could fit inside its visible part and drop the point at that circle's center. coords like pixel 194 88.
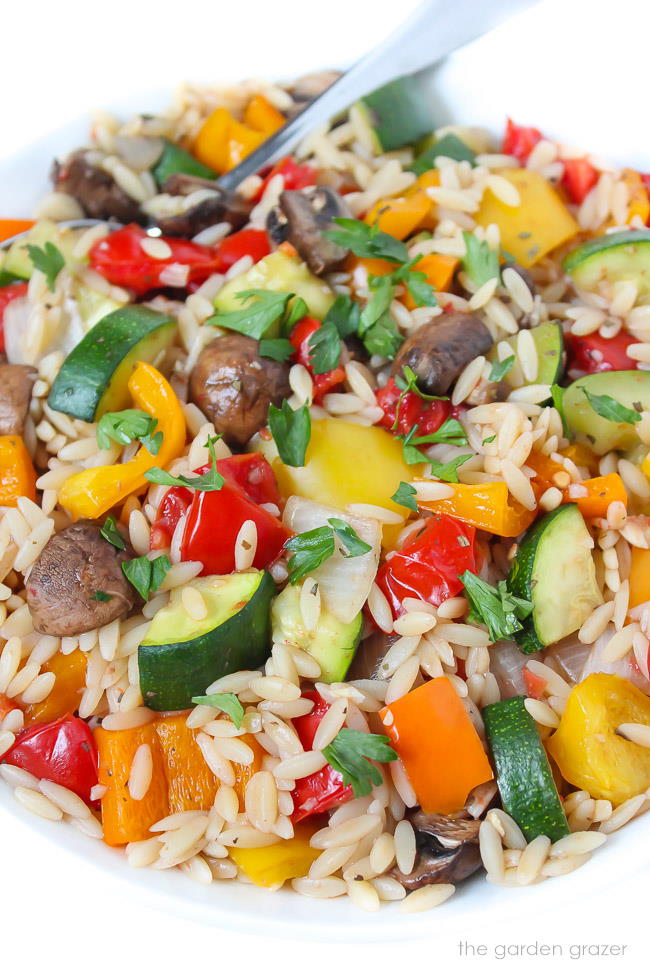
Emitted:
pixel 17 325
pixel 139 151
pixel 568 657
pixel 507 663
pixel 626 667
pixel 344 583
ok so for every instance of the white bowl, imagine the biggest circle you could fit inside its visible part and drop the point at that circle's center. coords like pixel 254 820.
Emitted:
pixel 556 67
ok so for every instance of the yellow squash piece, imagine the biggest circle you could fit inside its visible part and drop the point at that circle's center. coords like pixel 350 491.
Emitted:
pixel 270 865
pixel 587 749
pixel 538 225
pixel 279 272
pixel 90 493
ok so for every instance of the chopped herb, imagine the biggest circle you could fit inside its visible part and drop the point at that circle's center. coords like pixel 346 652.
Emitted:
pixel 450 432
pixel 508 256
pixel 344 314
pixel 291 430
pixel 278 349
pixel 490 439
pixel 408 383
pixel 499 369
pixel 101 597
pixel 47 259
pixel 414 281
pixel 449 472
pixel 557 395
pixel 146 575
pixel 311 548
pixel 126 426
pixel 264 309
pixel 349 754
pixel 610 409
pixel 111 534
pixel 366 241
pixel 228 703
pixel 324 348
pixel 297 309
pixel 480 263
pixel 378 305
pixel 405 495
pixel 383 338
pixel 495 606
pixel 210 481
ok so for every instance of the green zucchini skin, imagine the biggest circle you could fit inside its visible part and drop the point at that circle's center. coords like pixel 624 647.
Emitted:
pixel 523 773
pixel 93 378
pixel 449 145
pixel 621 256
pixel 176 160
pixel 171 674
pixel 398 113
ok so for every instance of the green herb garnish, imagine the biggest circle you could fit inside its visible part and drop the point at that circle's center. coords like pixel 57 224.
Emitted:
pixel 126 426
pixel 495 606
pixel 210 481
pixel 405 495
pixel 262 311
pixel 110 532
pixel 291 430
pixel 366 241
pixel 311 548
pixel 610 409
pixel 146 575
pixel 101 597
pixel 480 262
pixel 349 752
pixel 228 703
pixel 47 259
pixel 278 349
pixel 499 369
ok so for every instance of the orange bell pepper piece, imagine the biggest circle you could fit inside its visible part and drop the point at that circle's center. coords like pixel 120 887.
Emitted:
pixel 7 705
pixel 439 270
pixel 241 142
pixel 438 745
pixel 487 506
pixel 211 144
pixel 640 577
pixel 601 491
pixel 70 672
pixel 400 216
pixel 190 783
pixel 262 116
pixel 17 474
pixel 9 228
pixel 582 456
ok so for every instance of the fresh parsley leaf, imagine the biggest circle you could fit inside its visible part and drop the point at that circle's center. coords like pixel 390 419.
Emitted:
pixel 498 608
pixel 383 338
pixel 451 432
pixel 261 312
pixel 325 348
pixel 101 597
pixel 111 534
pixel 146 575
pixel 126 426
pixel 408 383
pixel 405 495
pixel 499 369
pixel 557 395
pixel 480 263
pixel 352 544
pixel 345 315
pixel 47 259
pixel 291 430
pixel 366 241
pixel 228 703
pixel 212 480
pixel 297 309
pixel 610 409
pixel 310 549
pixel 378 304
pixel 349 752
pixel 449 472
pixel 490 439
pixel 278 349
pixel 415 282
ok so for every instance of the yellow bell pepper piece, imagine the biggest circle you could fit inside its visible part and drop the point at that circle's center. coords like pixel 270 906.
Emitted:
pixel 241 142
pixel 346 463
pixel 640 576
pixel 263 116
pixel 538 225
pixel 587 749
pixel 91 493
pixel 211 144
pixel 639 202
pixel 267 866
pixel 423 182
pixel 401 215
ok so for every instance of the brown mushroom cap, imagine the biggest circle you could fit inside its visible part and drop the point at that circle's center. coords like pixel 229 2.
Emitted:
pixel 15 393
pixel 95 190
pixel 233 385
pixel 221 206
pixel 301 217
pixel 75 565
pixel 447 850
pixel 439 350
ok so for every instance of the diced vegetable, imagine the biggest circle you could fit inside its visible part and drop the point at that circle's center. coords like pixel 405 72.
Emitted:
pixel 271 865
pixel 244 243
pixel 403 410
pixel 10 228
pixel 593 495
pixel 487 506
pixel 549 344
pixel 90 493
pixel 602 261
pixel 554 569
pixel 538 225
pixel 639 577
pixel 579 177
pixel 448 145
pixel 262 116
pixel 281 273
pixel 17 474
pixel 320 791
pixel 439 271
pixel 64 698
pixel 638 205
pixel 629 388
pixel 190 783
pixel 593 353
pixel 295 176
pixel 524 776
pixel 438 745
pixel 222 141
pixel 520 140
pixel 181 656
pixel 174 159
pixel 589 752
pixel 9 293
pixel 400 216
pixel 17 260
pixel 301 337
pixel 396 114
pixel 62 751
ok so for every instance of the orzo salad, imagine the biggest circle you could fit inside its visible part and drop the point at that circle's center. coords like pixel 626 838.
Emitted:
pixel 324 525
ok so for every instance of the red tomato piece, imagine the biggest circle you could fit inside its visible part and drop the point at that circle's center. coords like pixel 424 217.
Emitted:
pixel 8 294
pixel 324 382
pixel 579 177
pixel 429 565
pixel 62 751
pixel 593 353
pixel 320 791
pixel 428 414
pixel 244 243
pixel 296 176
pixel 520 140
pixel 534 684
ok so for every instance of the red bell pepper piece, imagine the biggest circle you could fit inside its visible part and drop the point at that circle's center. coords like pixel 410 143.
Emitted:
pixel 324 382
pixel 244 243
pixel 429 565
pixel 534 684
pixel 593 353
pixel 520 140
pixel 120 259
pixel 173 506
pixel 62 751
pixel 8 294
pixel 296 176
pixel 320 791
pixel 578 178
pixel 428 414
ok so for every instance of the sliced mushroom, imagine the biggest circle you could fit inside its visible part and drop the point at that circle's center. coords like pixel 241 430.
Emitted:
pixel 15 393
pixel 220 206
pixel 95 190
pixel 301 216
pixel 310 86
pixel 439 350
pixel 447 850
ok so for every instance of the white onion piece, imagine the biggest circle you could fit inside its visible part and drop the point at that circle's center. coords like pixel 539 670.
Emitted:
pixel 570 656
pixel 63 336
pixel 15 323
pixel 139 151
pixel 344 583
pixel 507 663
pixel 626 667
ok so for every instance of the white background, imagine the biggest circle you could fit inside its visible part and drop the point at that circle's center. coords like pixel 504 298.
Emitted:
pixel 58 60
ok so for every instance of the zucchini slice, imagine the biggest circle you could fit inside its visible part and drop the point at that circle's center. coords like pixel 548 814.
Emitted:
pixel 93 378
pixel 180 657
pixel 448 145
pixel 621 256
pixel 397 114
pixel 554 569
pixel 549 343
pixel 281 273
pixel 523 773
pixel 629 387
